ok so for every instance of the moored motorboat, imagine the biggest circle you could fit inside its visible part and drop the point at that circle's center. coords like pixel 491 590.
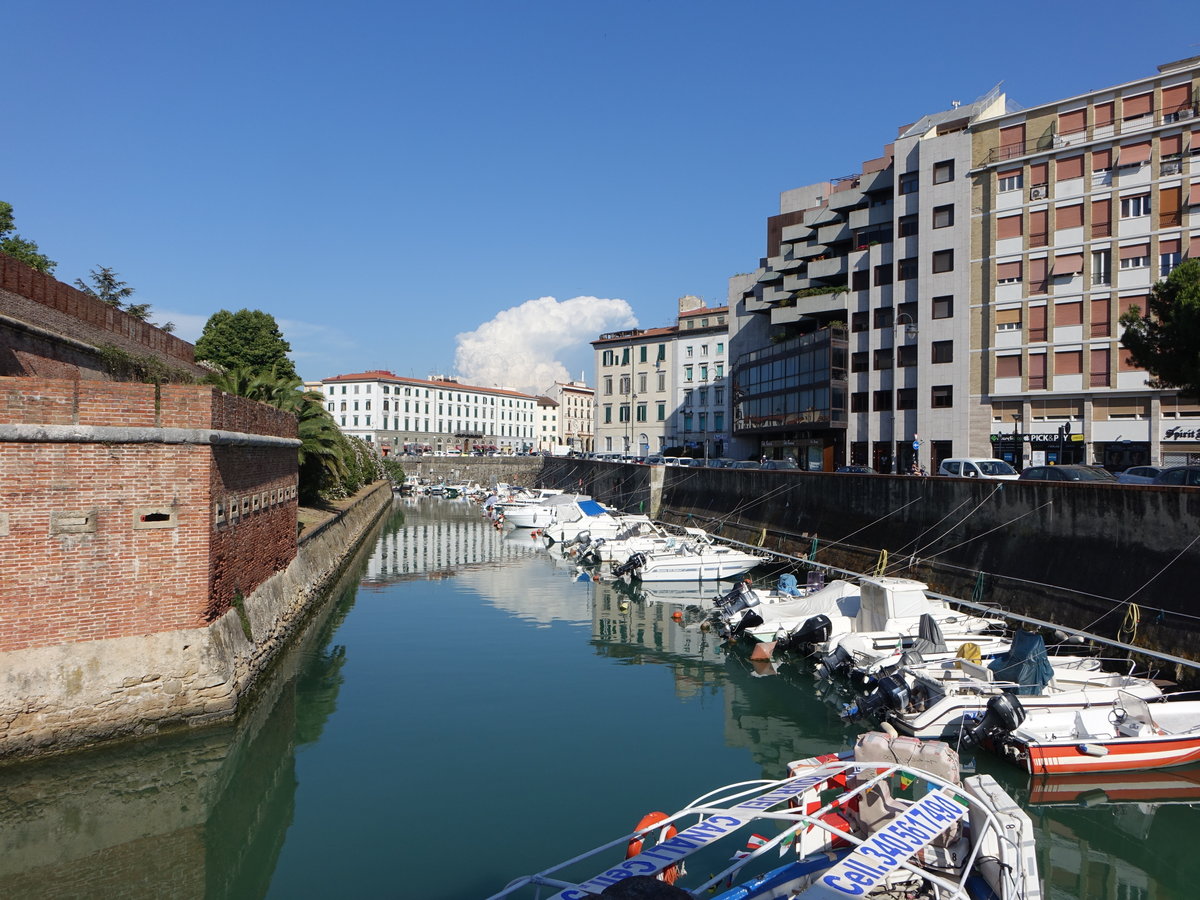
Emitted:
pixel 695 558
pixel 892 817
pixel 1128 734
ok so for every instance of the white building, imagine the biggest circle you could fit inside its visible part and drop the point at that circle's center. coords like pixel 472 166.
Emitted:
pixel 700 423
pixel 548 433
pixel 437 414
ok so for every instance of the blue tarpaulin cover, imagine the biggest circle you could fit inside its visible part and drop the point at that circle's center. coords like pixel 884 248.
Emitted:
pixel 591 508
pixel 1027 663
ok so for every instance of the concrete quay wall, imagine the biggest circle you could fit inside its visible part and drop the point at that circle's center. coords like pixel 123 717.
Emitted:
pixel 72 695
pixel 1073 554
pixel 485 470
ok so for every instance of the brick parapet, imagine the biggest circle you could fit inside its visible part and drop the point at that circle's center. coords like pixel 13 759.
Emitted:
pixel 43 302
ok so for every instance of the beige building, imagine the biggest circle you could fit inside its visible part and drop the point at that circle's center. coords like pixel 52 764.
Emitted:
pixel 575 414
pixel 1078 207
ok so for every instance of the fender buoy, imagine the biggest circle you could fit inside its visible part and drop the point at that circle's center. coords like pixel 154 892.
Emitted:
pixel 672 872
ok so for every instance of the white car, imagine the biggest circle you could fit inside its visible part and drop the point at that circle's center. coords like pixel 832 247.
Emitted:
pixel 988 469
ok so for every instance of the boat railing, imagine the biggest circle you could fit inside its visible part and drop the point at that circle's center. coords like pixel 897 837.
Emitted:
pixel 749 802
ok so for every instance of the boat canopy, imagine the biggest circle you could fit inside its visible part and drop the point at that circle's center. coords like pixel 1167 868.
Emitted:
pixel 1026 664
pixel 591 508
pixel 890 598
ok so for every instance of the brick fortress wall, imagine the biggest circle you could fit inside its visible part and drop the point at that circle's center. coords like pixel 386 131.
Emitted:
pixel 52 330
pixel 110 534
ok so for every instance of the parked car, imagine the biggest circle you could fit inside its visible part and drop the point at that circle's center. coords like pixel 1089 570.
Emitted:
pixel 1067 473
pixel 779 464
pixel 745 464
pixel 971 467
pixel 855 470
pixel 721 462
pixel 1183 476
pixel 654 460
pixel 1139 474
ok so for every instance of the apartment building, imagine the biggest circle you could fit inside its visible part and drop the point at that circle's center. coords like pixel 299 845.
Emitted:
pixel 634 390
pixel 438 414
pixel 1078 207
pixel 700 420
pixel 851 341
pixel 575 413
pixel 547 430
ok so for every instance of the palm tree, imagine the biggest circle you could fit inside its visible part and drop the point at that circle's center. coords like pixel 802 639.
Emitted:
pixel 322 454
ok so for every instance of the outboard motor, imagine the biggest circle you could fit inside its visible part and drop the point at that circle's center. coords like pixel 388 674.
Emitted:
pixel 1004 713
pixel 836 662
pixel 890 695
pixel 813 631
pixel 635 561
pixel 591 555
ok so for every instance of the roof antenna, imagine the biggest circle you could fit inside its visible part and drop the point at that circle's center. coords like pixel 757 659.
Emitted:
pixel 956 103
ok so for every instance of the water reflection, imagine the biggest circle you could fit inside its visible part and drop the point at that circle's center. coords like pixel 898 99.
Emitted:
pixel 539 658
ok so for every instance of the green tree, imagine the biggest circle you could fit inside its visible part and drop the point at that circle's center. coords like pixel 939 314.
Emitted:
pixel 1165 339
pixel 18 247
pixel 108 287
pixel 247 339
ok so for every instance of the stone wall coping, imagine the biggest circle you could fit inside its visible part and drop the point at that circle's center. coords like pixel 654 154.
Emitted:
pixel 116 434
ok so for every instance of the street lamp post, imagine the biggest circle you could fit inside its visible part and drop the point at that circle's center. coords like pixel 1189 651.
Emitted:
pixel 910 332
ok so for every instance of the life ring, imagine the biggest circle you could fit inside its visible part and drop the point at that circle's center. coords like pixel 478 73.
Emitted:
pixel 672 872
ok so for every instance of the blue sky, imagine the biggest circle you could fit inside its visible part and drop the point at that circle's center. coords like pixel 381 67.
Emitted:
pixel 385 177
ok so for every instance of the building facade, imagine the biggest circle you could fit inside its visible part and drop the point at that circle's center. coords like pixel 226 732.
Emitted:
pixel 439 414
pixel 634 390
pixel 970 282
pixel 700 424
pixel 548 434
pixel 1079 206
pixel 576 414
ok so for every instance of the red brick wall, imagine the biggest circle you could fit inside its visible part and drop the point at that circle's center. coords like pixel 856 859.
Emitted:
pixel 44 302
pixel 117 579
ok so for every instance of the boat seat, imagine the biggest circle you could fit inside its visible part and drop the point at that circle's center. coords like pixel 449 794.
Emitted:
pixel 877 807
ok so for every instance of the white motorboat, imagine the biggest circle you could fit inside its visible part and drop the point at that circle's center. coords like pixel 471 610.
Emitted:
pixel 890 818
pixel 698 558
pixel 582 520
pixel 537 515
pixel 950 701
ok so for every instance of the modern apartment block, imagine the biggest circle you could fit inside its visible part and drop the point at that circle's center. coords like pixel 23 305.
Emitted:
pixel 1078 207
pixel 576 413
pixel 852 341
pixel 439 414
pixel 960 296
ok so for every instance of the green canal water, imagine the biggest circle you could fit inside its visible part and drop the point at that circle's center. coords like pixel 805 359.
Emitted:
pixel 462 711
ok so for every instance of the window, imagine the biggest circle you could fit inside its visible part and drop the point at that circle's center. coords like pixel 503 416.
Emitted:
pixel 906 356
pixel 882 401
pixel 704 349
pixel 883 275
pixel 662 412
pixel 1008 272
pixel 608 384
pixel 687 397
pixel 943 261
pixel 625 384
pixel 703 397
pixel 718 421
pixel 860 280
pixel 623 413
pixel 906 398
pixel 1135 262
pixel 909 182
pixel 1008 366
pixel 641 412
pixel 687 351
pixel 719 371
pixel 883 358
pixel 943 307
pixel 859 321
pixel 907 226
pixel 1006 320
pixel 942 396
pixel 687 373
pixel 1101 267
pixel 1168 261
pixel 608 413
pixel 858 401
pixel 662 381
pixel 1137 205
pixel 704 373
pixel 718 396
pixel 943 351
pixel 642 353
pixel 687 421
pixel 943 172
pixel 720 348
pixel 943 216
pixel 642 383
pixel 906 269
pixel 883 317
pixel 1012 181
pixel 858 361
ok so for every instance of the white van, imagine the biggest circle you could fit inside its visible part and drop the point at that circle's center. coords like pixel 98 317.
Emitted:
pixel 990 469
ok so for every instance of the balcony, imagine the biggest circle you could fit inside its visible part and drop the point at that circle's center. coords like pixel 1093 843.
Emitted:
pixel 846 199
pixel 871 215
pixel 830 267
pixel 833 233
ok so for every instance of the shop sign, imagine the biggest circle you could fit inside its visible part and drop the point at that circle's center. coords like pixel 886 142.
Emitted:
pixel 1038 438
pixel 1179 433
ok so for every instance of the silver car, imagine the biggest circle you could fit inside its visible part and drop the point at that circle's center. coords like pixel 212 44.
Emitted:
pixel 1139 475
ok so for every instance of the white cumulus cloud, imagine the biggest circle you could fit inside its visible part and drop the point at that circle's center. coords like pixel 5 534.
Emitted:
pixel 530 346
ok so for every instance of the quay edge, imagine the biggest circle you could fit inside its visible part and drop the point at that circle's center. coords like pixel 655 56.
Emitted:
pixel 70 696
